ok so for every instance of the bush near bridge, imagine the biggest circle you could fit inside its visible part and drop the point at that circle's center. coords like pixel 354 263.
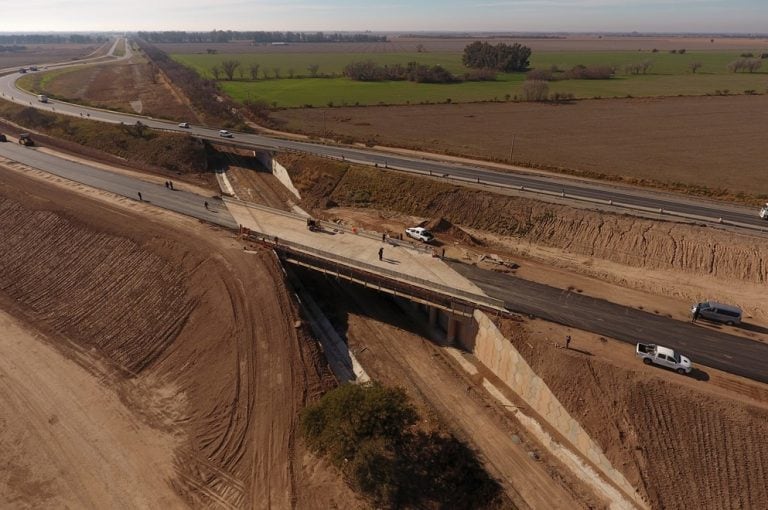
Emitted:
pixel 368 432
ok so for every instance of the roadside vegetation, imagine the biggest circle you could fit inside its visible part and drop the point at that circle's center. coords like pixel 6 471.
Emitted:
pixel 369 432
pixel 134 144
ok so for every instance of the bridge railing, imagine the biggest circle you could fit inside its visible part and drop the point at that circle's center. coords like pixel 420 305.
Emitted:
pixel 375 271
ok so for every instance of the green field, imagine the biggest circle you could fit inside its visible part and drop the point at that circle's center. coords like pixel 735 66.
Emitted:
pixel 668 76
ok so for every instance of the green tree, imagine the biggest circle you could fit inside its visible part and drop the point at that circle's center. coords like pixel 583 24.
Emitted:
pixel 229 67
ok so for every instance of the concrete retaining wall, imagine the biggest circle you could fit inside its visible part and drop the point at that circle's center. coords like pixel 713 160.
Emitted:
pixel 498 354
pixel 278 171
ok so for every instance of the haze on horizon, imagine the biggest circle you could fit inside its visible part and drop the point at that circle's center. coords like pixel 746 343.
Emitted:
pixel 678 16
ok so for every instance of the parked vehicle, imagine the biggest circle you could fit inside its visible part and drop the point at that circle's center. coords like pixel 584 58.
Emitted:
pixel 26 140
pixel 663 356
pixel 42 98
pixel 764 212
pixel 184 125
pixel 33 68
pixel 225 133
pixel 3 138
pixel 718 312
pixel 420 233
pixel 22 70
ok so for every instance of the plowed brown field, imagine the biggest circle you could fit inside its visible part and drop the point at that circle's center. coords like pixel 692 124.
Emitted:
pixel 697 141
pixel 195 339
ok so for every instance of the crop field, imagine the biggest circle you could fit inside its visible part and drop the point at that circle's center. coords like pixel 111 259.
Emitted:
pixel 44 53
pixel 284 80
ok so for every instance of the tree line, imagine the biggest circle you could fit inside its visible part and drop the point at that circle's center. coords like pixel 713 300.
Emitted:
pixel 52 39
pixel 413 71
pixel 225 36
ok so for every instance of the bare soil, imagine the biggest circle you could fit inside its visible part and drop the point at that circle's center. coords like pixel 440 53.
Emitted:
pixel 133 86
pixel 45 54
pixel 406 44
pixel 199 378
pixel 684 261
pixel 680 143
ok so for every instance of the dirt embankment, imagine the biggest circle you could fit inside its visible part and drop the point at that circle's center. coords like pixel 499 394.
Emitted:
pixel 682 447
pixel 190 345
pixel 705 261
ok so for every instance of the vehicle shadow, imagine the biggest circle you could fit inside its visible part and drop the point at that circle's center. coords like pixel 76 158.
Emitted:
pixel 699 375
pixel 754 328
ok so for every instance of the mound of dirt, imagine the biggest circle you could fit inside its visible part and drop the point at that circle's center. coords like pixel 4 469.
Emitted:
pixel 669 248
pixel 189 347
pixel 443 226
pixel 681 447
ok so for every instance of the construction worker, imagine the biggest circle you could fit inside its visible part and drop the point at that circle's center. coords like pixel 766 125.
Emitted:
pixel 140 199
pixel 206 205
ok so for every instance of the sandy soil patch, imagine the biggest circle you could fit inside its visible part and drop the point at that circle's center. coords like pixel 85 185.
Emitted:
pixel 68 439
pixel 167 305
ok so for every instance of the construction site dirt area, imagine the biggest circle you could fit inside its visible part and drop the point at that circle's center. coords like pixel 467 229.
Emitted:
pixel 687 262
pixel 680 142
pixel 134 86
pixel 147 360
pixel 683 443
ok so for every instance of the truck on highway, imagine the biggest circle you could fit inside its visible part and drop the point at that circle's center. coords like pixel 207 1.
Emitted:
pixel 42 98
pixel 663 356
pixel 764 212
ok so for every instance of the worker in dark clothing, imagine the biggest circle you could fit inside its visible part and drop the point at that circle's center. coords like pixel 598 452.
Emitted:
pixel 381 253
pixel 140 199
pixel 206 205
pixel 170 183
pixel 167 186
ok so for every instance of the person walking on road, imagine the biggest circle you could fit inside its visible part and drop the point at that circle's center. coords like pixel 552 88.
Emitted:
pixel 381 253
pixel 568 341
pixel 170 184
pixel 206 205
pixel 167 186
pixel 140 199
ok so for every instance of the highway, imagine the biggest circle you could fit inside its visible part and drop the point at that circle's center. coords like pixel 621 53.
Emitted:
pixel 652 200
pixel 180 201
pixel 704 345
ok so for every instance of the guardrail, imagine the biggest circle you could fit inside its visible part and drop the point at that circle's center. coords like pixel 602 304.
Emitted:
pixel 538 191
pixel 375 273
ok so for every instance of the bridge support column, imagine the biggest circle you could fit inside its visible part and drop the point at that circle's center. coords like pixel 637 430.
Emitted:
pixel 453 327
pixel 432 316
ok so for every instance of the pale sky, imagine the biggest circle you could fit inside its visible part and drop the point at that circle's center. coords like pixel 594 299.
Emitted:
pixel 356 15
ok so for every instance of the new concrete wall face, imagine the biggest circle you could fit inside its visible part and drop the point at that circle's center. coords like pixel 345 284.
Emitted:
pixel 500 356
pixel 278 171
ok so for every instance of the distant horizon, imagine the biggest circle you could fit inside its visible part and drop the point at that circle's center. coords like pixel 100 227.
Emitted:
pixel 567 16
pixel 468 33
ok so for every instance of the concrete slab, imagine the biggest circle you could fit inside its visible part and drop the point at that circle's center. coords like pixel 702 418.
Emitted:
pixel 405 261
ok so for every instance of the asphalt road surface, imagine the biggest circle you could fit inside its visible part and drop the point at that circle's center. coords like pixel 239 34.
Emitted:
pixel 636 197
pixel 704 345
pixel 180 201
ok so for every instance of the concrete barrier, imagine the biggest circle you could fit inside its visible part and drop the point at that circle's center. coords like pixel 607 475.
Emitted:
pixel 499 355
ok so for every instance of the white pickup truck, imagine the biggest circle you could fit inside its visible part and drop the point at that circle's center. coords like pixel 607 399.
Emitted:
pixel 764 212
pixel 664 356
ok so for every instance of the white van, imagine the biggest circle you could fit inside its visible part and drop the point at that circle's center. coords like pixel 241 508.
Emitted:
pixel 718 312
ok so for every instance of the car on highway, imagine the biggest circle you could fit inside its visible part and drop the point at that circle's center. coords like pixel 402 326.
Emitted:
pixel 420 233
pixel 717 312
pixel 225 133
pixel 764 212
pixel 184 125
pixel 653 354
